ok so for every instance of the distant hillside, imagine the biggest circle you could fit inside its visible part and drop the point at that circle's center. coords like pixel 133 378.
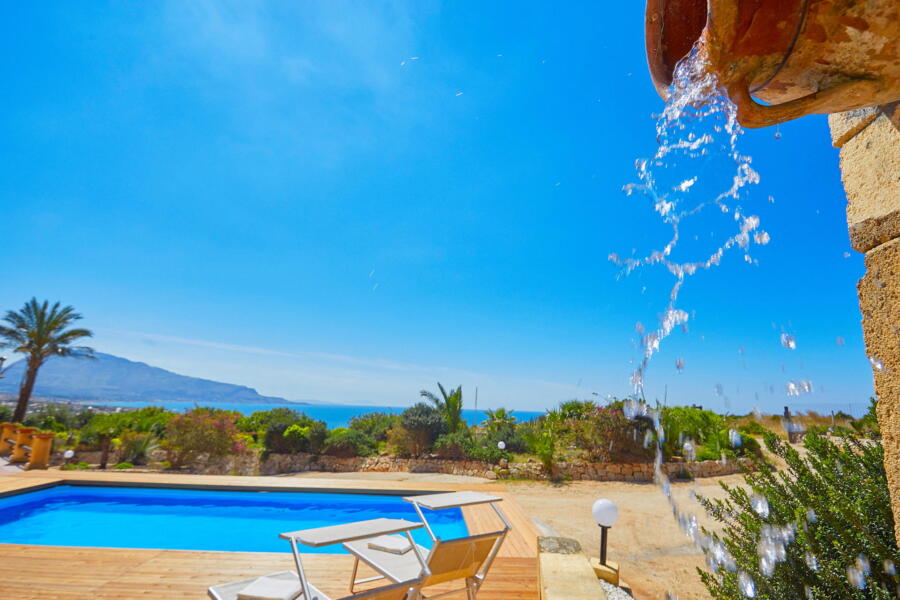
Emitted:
pixel 109 377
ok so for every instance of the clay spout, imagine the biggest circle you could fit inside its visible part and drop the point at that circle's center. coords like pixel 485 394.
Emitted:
pixel 783 59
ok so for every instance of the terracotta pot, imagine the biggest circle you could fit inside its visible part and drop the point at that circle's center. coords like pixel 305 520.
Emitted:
pixel 798 56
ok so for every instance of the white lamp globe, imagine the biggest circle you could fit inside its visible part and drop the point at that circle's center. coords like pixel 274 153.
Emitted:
pixel 501 445
pixel 69 454
pixel 605 512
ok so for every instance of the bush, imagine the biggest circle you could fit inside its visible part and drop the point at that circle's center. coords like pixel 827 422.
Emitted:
pixel 834 501
pixel 454 446
pixel 420 425
pixel 151 419
pixel 208 431
pixel 57 417
pixel 867 426
pixel 307 435
pixel 374 424
pixel 607 435
pixel 541 439
pixel 124 465
pixel 80 466
pixel 6 414
pixel 260 421
pixel 135 447
pixel 348 443
pixel 290 432
pixel 753 427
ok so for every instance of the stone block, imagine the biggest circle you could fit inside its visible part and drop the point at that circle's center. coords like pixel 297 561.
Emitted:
pixel 565 572
pixel 879 300
pixel 870 170
pixel 608 572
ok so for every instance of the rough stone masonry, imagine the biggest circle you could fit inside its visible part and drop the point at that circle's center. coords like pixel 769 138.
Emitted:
pixel 869 140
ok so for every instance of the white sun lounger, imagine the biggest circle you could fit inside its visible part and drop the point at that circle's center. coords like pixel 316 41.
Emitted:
pixel 468 558
pixel 404 589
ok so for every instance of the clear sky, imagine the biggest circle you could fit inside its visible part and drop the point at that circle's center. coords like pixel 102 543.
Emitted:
pixel 348 201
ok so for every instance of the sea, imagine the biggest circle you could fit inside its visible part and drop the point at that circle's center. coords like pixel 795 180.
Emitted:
pixel 335 415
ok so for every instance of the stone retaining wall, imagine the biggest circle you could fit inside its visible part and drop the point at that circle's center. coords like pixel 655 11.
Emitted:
pixel 277 464
pixel 284 463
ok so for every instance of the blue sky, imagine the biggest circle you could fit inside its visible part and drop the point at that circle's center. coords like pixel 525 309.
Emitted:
pixel 349 201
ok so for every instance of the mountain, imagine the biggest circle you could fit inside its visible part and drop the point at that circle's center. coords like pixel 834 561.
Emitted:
pixel 110 377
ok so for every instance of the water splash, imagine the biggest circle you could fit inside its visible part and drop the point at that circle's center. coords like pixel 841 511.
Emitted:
pixel 698 124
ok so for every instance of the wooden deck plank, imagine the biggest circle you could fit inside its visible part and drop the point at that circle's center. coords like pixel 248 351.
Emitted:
pixel 41 572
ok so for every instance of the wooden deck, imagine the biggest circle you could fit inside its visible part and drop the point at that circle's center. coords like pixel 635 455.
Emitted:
pixel 55 572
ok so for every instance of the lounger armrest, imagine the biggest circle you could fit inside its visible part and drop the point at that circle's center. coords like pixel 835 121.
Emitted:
pixel 348 532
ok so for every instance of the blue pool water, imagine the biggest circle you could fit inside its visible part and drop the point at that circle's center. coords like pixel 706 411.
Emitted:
pixel 183 519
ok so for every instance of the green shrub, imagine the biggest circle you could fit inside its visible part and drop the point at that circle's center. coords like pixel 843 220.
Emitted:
pixel 420 425
pixel 6 413
pixel 290 432
pixel 202 431
pixel 576 409
pixel 867 426
pixel 260 421
pixel 307 435
pixel 835 503
pixel 753 428
pixel 454 446
pixel 135 447
pixel 541 440
pixel 374 424
pixel 57 417
pixel 151 419
pixel 80 466
pixel 124 465
pixel 606 435
pixel 348 443
pixel 424 418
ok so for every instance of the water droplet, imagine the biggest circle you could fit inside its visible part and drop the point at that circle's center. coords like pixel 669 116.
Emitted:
pixel 777 132
pixel 877 364
pixel 788 341
pixel 862 564
pixel 856 578
pixel 746 585
pixel 760 505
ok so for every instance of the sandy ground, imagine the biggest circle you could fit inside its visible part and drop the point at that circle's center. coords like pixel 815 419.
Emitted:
pixel 653 554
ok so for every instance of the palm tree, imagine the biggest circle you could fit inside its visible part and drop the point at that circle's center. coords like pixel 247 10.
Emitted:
pixel 450 406
pixel 39 331
pixel 499 420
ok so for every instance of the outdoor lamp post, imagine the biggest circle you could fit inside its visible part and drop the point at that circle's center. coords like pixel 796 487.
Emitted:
pixel 501 445
pixel 606 514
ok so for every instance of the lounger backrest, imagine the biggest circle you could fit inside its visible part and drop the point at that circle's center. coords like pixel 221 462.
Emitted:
pixel 460 558
pixel 398 591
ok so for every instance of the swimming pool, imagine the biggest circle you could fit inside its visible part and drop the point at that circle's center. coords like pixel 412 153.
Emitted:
pixel 192 519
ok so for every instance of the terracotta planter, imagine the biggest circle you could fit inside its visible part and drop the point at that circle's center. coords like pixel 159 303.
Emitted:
pixel 798 56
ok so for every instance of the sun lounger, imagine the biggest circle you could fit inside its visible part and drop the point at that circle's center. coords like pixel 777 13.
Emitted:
pixel 232 591
pixel 468 558
pixel 289 585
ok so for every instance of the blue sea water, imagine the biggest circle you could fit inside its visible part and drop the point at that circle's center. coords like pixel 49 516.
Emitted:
pixel 186 519
pixel 335 415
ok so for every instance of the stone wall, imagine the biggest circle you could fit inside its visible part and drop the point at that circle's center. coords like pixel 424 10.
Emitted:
pixel 643 472
pixel 869 140
pixel 279 464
